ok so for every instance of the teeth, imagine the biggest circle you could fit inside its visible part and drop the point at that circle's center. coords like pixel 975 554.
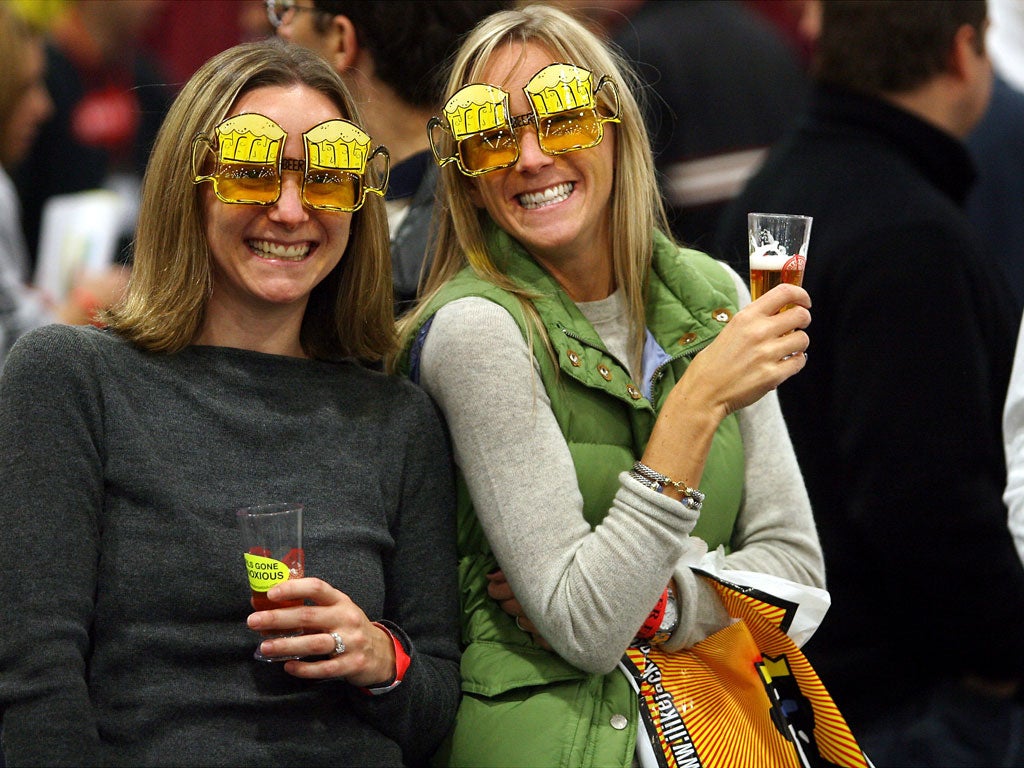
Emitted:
pixel 267 250
pixel 555 194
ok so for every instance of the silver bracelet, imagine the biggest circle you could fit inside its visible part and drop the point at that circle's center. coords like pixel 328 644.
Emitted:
pixel 645 481
pixel 692 497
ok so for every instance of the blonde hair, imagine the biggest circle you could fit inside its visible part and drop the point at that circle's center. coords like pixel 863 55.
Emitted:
pixel 636 206
pixel 350 312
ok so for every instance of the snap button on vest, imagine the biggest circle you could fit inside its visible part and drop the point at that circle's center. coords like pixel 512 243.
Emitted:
pixel 618 722
pixel 605 373
pixel 573 357
pixel 633 391
pixel 687 338
pixel 721 314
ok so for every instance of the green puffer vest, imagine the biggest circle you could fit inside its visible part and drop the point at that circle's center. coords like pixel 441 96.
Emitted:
pixel 523 705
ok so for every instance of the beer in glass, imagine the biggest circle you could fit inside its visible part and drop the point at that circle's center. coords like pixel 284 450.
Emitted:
pixel 778 250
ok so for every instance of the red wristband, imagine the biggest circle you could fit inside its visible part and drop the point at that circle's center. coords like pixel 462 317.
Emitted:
pixel 402 661
pixel 653 621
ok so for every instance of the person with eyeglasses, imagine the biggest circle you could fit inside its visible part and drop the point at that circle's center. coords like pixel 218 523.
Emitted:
pixel 233 374
pixel 281 12
pixel 391 54
pixel 609 395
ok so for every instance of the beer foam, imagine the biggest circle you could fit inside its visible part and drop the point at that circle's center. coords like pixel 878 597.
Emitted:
pixel 475 108
pixel 337 144
pixel 770 258
pixel 560 87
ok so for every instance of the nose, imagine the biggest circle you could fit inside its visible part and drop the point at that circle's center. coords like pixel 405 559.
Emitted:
pixel 289 210
pixel 531 158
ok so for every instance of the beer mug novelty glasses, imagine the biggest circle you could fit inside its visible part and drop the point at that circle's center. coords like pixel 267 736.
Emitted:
pixel 337 172
pixel 564 110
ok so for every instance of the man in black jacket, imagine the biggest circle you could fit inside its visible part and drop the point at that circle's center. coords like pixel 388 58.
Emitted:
pixel 896 417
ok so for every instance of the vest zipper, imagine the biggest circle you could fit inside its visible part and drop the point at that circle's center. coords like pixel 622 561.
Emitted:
pixel 573 335
pixel 660 370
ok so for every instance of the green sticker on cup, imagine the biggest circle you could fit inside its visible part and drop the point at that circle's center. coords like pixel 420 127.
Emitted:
pixel 265 572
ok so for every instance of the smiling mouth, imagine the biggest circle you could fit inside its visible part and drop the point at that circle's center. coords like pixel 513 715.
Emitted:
pixel 549 196
pixel 267 250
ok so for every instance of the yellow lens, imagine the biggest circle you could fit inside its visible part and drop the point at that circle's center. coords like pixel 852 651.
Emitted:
pixel 247 183
pixel 489 150
pixel 570 130
pixel 335 190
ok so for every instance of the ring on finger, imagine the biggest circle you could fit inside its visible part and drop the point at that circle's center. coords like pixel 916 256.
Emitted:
pixel 339 644
pixel 520 626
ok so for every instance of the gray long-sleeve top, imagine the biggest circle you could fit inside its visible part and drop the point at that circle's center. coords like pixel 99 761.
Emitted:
pixel 123 596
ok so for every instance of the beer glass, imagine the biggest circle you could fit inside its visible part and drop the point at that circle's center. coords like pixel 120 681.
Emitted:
pixel 778 250
pixel 272 542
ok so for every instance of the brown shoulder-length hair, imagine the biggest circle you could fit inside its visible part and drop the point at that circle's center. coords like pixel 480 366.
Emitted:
pixel 636 207
pixel 350 312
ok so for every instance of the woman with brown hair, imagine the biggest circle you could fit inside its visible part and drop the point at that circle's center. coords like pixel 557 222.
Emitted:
pixel 231 376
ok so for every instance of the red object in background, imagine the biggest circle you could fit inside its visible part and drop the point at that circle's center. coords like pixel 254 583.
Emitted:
pixel 786 15
pixel 107 118
pixel 184 33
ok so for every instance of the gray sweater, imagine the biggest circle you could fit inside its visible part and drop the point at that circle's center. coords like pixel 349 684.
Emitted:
pixel 123 594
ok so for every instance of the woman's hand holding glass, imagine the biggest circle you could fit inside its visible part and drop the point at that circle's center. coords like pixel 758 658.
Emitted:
pixel 368 658
pixel 759 348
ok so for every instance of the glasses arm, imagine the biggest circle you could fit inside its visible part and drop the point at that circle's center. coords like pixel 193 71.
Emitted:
pixel 432 125
pixel 607 83
pixel 200 144
pixel 272 15
pixel 382 186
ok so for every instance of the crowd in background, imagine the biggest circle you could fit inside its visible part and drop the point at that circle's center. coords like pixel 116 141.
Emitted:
pixel 911 503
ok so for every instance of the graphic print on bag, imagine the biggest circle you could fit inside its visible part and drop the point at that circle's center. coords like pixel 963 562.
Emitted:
pixel 745 697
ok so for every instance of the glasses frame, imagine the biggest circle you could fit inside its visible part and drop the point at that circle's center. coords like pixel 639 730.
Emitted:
pixel 514 123
pixel 201 142
pixel 277 18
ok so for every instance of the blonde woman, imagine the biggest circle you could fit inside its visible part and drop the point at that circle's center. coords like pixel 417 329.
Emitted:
pixel 230 377
pixel 610 403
